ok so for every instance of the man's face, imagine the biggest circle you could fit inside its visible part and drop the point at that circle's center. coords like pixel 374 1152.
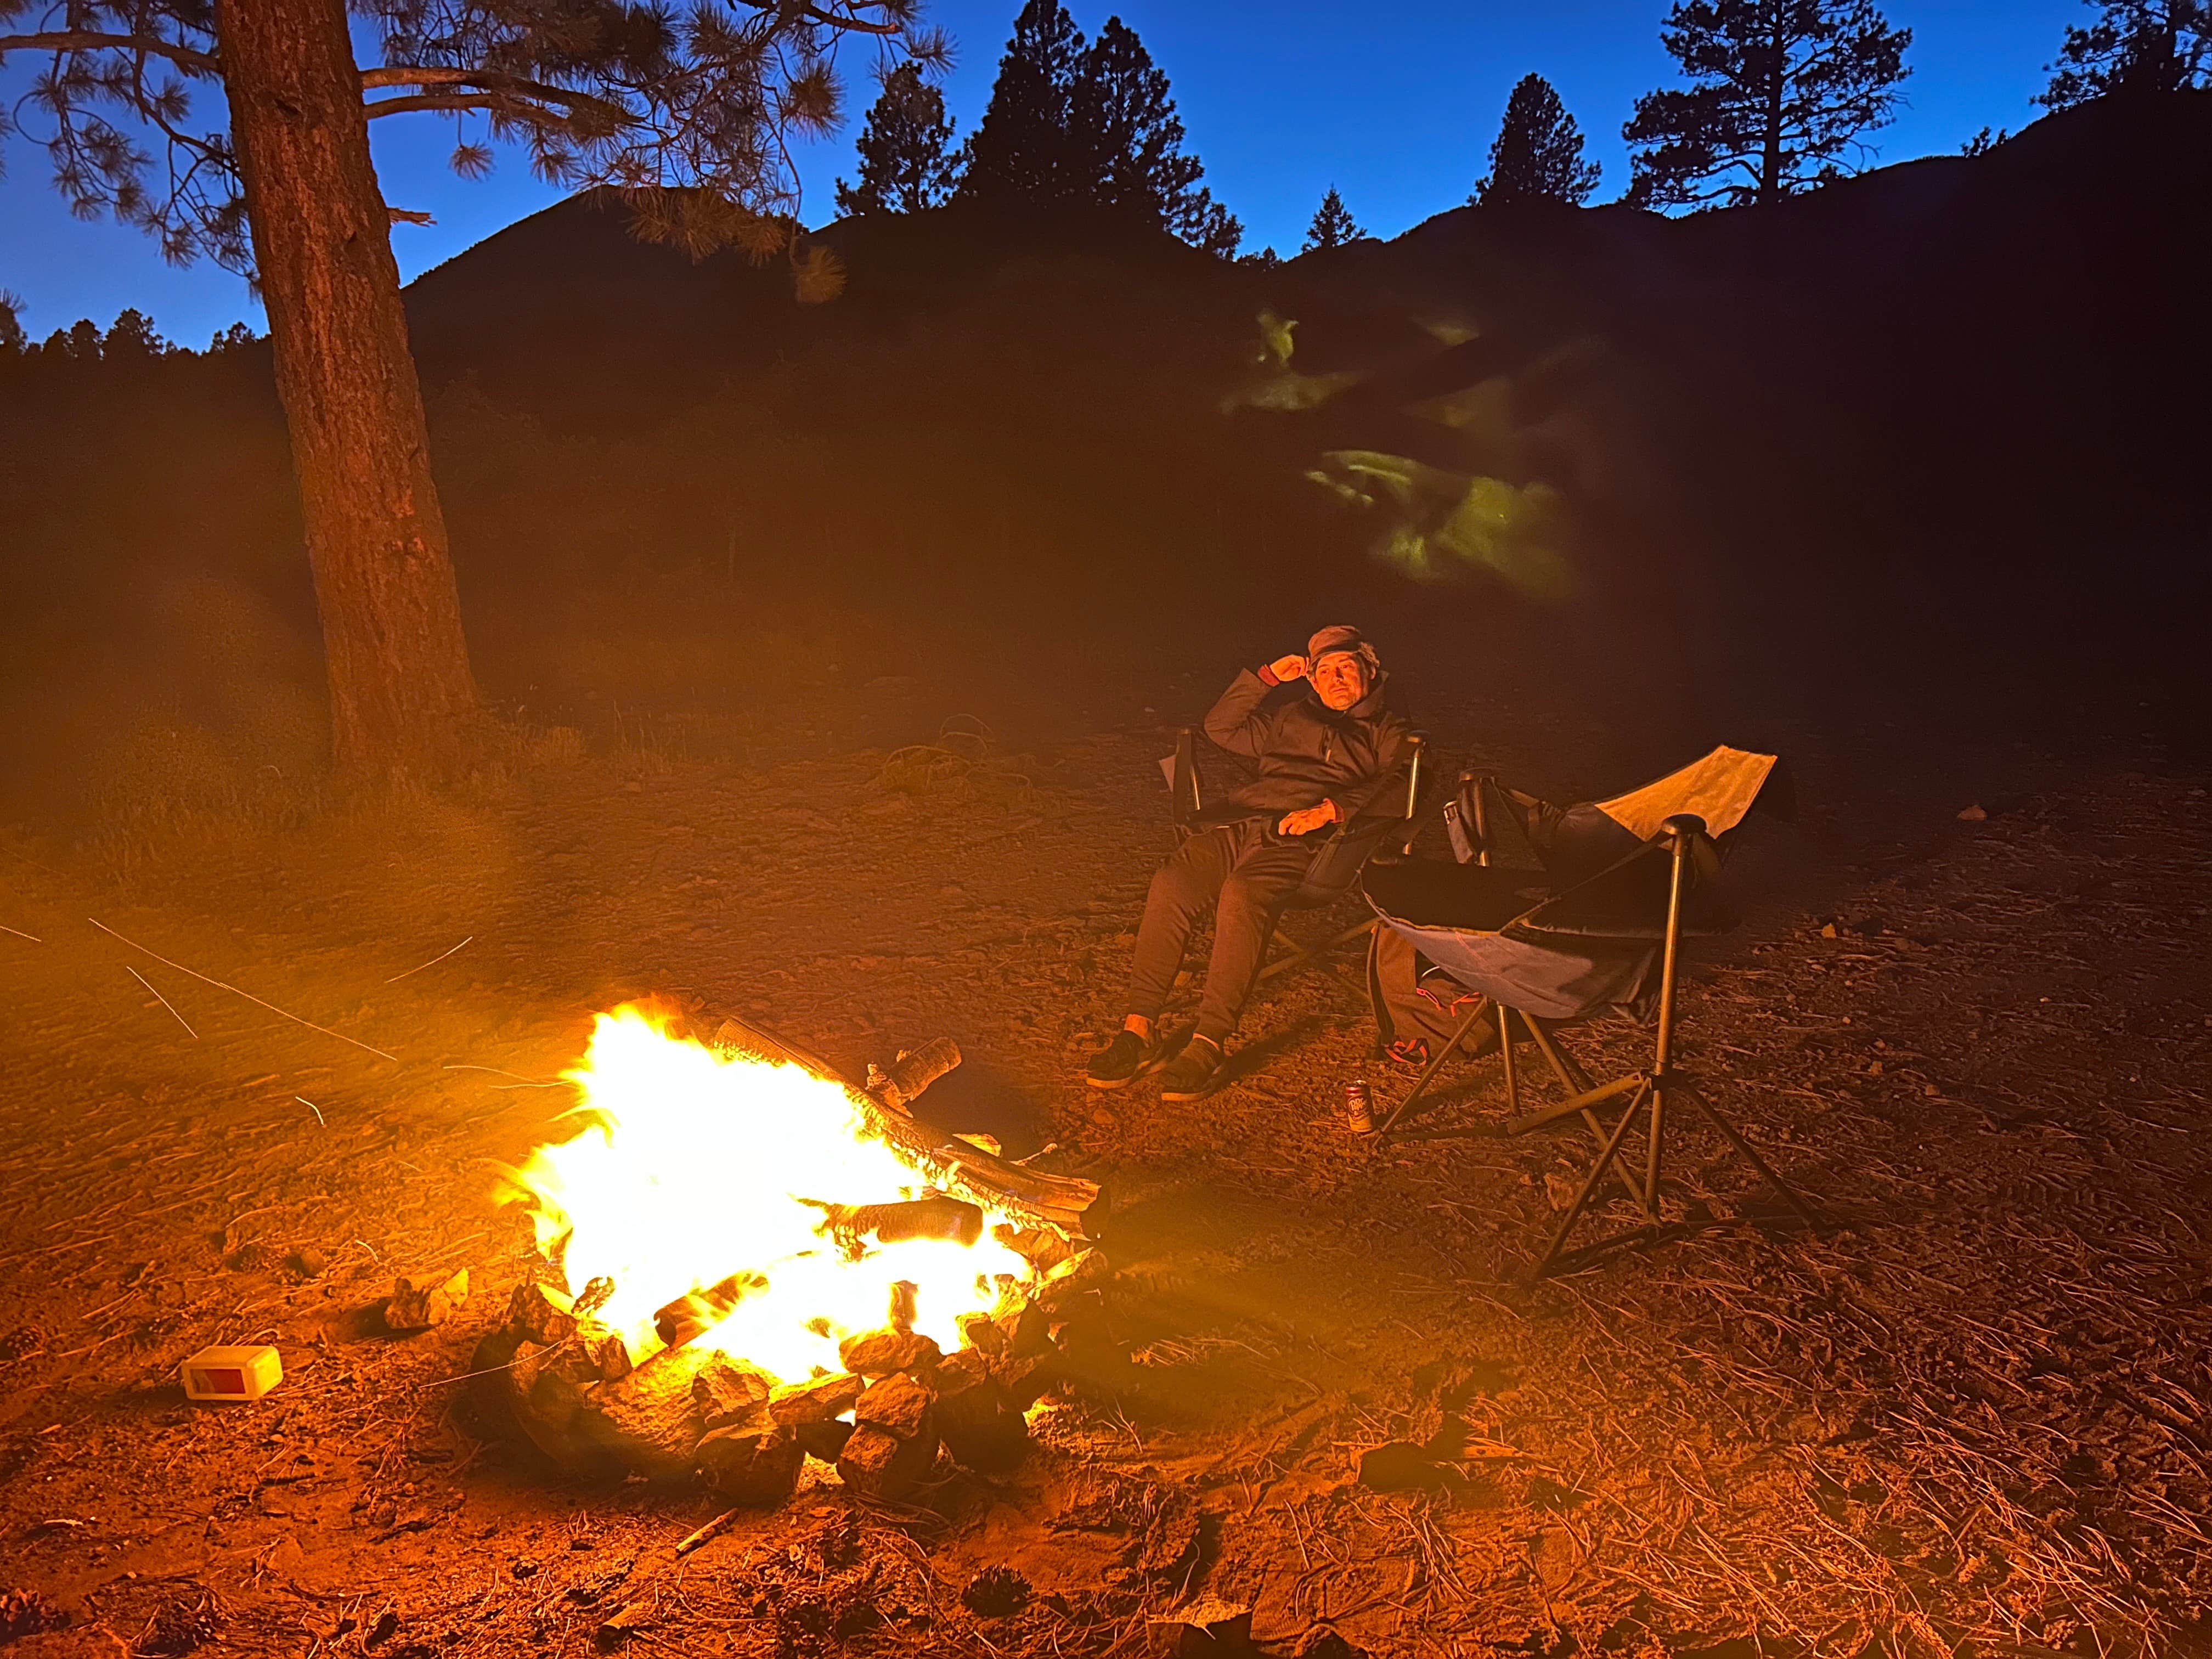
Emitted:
pixel 1340 679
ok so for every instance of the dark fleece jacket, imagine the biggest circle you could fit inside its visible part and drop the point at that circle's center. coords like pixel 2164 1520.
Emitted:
pixel 1307 751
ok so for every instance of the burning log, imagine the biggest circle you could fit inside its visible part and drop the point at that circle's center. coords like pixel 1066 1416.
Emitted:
pixel 937 1216
pixel 895 1089
pixel 700 1310
pixel 600 1385
pixel 1063 1203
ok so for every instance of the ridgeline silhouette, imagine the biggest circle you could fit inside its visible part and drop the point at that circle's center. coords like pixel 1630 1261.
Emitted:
pixel 1945 416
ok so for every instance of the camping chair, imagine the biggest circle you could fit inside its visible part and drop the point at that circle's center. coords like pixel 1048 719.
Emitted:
pixel 1578 939
pixel 1336 863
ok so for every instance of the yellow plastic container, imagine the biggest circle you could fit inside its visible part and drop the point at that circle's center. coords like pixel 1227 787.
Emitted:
pixel 237 1373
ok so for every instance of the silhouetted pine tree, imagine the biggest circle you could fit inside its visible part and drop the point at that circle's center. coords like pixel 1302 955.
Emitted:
pixel 1780 90
pixel 133 339
pixel 78 343
pixel 1024 149
pixel 906 159
pixel 1098 126
pixel 2141 46
pixel 1332 225
pixel 12 340
pixel 1130 139
pixel 1538 155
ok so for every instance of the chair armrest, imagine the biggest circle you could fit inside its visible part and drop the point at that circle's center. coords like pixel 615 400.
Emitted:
pixel 1187 798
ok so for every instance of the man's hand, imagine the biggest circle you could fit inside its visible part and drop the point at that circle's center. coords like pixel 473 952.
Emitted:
pixel 1309 819
pixel 1288 668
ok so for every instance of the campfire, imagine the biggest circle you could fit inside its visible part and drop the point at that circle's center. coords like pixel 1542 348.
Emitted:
pixel 745 1261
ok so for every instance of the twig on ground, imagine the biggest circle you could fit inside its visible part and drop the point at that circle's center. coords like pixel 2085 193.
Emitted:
pixel 163 1000
pixel 433 962
pixel 248 995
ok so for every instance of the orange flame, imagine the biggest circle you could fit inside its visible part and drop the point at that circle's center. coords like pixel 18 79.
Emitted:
pixel 694 1165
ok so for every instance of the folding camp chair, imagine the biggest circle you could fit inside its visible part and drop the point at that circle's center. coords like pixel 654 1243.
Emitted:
pixel 1336 863
pixel 1576 939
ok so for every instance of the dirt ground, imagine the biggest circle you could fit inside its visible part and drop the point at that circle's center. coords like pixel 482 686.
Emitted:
pixel 1967 1416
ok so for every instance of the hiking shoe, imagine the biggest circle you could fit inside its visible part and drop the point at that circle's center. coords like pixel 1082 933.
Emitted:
pixel 1196 1072
pixel 1120 1061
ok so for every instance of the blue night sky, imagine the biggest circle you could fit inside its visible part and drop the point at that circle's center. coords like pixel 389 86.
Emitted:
pixel 1396 106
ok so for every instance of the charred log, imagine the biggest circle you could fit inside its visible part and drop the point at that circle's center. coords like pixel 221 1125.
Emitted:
pixel 1065 1203
pixel 937 1216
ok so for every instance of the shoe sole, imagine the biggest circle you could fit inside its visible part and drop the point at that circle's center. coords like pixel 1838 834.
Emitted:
pixel 1143 1071
pixel 1177 1096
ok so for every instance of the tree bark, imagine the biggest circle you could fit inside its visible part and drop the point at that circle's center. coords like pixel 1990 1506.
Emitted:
pixel 402 697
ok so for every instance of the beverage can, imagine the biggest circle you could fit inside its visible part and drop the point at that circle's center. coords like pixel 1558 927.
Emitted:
pixel 1358 1106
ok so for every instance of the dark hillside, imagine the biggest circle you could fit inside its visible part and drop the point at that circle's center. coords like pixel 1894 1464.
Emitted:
pixel 1944 419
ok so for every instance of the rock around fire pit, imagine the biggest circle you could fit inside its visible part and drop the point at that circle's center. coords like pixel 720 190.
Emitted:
pixel 556 1377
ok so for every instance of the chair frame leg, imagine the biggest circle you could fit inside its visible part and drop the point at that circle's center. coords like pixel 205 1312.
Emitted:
pixel 1482 1006
pixel 1300 955
pixel 1606 1156
pixel 1663 1081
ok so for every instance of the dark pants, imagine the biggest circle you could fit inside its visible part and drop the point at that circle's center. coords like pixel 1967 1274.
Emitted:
pixel 1245 877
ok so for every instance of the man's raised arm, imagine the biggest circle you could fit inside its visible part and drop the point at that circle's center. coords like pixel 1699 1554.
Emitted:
pixel 1237 721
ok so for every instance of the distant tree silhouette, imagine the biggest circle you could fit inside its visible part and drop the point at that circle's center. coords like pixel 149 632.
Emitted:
pixel 80 342
pixel 2139 46
pixel 1332 225
pixel 1983 142
pixel 1129 140
pixel 12 339
pixel 1096 125
pixel 1781 91
pixel 131 338
pixel 599 92
pixel 1024 147
pixel 1537 153
pixel 906 159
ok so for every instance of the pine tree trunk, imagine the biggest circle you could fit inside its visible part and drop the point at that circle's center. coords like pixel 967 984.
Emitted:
pixel 402 697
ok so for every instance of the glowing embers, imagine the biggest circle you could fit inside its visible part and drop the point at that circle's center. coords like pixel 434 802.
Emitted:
pixel 750 1208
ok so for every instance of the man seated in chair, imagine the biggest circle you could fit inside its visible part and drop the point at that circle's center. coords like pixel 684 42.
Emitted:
pixel 1326 732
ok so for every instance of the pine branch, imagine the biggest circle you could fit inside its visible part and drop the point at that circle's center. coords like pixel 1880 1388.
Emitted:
pixel 199 63
pixel 490 82
pixel 845 22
